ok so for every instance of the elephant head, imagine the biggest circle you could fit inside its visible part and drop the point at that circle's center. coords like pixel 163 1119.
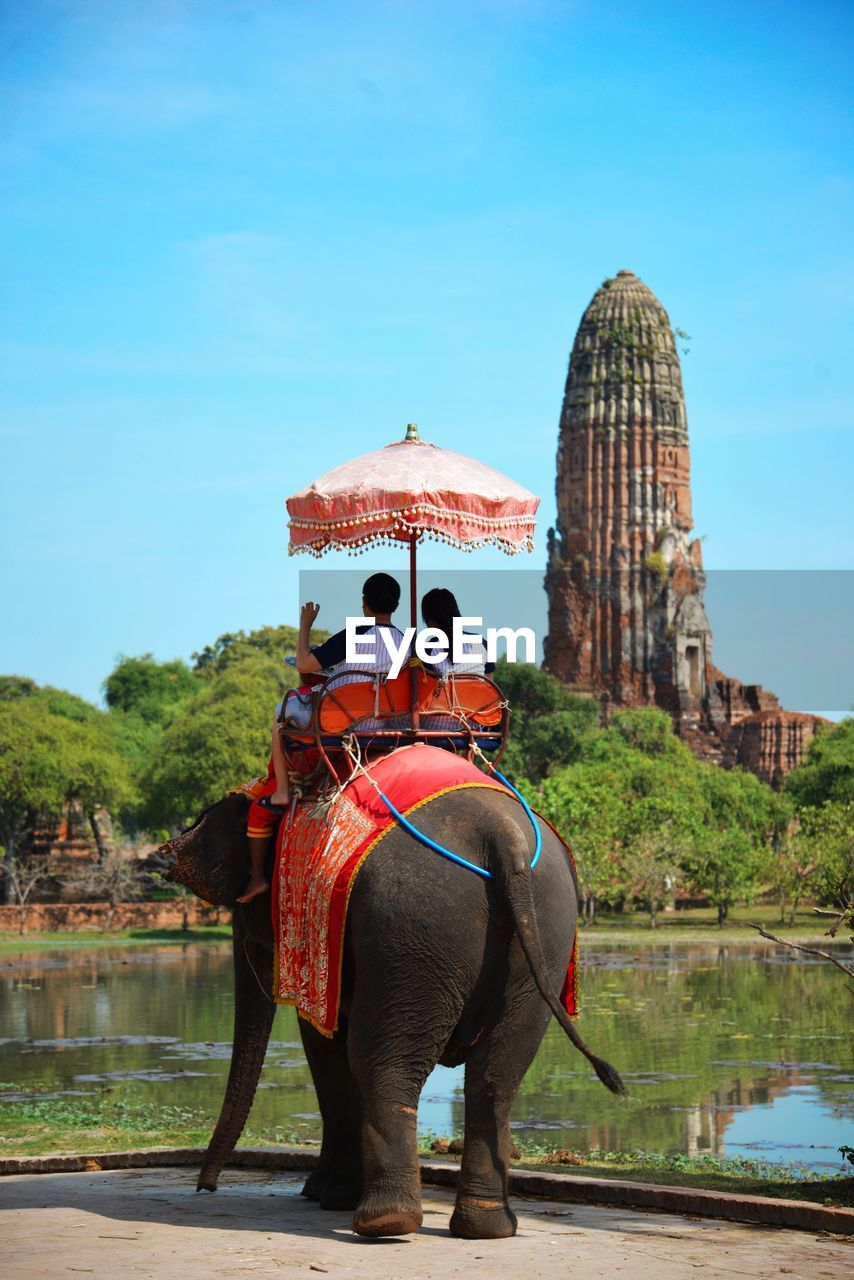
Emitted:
pixel 211 856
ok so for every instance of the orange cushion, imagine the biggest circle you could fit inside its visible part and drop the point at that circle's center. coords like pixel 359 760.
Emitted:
pixel 341 704
pixel 474 697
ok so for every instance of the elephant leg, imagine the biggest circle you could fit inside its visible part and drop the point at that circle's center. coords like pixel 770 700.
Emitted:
pixel 316 1180
pixel 336 1183
pixel 391 1066
pixel 494 1071
pixel 254 1011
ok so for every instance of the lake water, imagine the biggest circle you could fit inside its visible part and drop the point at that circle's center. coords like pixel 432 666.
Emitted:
pixel 726 1050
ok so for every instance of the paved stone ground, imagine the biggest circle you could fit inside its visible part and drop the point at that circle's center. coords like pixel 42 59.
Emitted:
pixel 151 1223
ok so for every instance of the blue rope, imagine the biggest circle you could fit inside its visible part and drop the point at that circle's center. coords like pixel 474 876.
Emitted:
pixel 455 857
pixel 538 839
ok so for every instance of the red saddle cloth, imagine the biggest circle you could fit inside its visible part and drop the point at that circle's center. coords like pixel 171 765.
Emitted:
pixel 318 857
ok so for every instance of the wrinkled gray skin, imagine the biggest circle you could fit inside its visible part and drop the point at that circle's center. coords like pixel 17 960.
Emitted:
pixel 440 965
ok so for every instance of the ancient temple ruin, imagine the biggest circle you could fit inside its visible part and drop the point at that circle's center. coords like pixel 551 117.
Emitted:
pixel 625 579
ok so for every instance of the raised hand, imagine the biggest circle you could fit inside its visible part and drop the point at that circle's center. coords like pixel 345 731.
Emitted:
pixel 308 613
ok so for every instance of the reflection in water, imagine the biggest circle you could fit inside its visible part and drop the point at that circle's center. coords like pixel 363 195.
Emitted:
pixel 796 1124
pixel 724 1049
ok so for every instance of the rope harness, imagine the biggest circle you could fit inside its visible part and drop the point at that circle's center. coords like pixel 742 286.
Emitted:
pixel 353 750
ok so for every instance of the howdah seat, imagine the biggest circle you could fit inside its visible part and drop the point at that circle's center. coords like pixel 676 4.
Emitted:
pixel 457 712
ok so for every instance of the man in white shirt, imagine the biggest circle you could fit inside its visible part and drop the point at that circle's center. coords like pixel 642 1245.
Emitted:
pixel 380 598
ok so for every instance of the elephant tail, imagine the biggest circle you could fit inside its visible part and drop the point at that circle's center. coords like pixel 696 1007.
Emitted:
pixel 516 877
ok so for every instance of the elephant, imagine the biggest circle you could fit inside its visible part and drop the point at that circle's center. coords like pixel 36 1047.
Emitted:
pixel 440 966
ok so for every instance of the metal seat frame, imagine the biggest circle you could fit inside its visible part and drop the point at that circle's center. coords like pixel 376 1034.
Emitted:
pixel 404 720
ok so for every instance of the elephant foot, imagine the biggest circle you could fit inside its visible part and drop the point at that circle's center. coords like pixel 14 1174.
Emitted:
pixel 341 1193
pixel 476 1219
pixel 377 1216
pixel 314 1184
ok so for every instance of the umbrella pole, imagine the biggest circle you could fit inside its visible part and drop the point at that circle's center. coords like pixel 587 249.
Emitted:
pixel 413 622
pixel 413 588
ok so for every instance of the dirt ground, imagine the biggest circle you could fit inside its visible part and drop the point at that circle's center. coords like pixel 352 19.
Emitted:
pixel 151 1223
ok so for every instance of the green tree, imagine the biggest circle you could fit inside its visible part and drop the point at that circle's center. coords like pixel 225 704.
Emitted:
pixel 554 741
pixel 48 760
pixel 642 814
pixel 585 805
pixel 826 840
pixel 728 861
pixel 34 769
pixel 661 812
pixel 236 647
pixel 148 689
pixel 827 771
pixel 144 696
pixel 12 687
pixel 188 735
pixel 101 779
pixel 793 866
pixel 58 702
pixel 818 857
pixel 662 819
pixel 726 866
pixel 548 723
pixel 532 691
pixel 220 738
pixel 828 833
pixel 651 864
pixel 739 799
pixel 589 802
pixel 646 729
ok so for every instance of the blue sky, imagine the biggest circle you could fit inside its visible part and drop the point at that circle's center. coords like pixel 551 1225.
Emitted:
pixel 245 241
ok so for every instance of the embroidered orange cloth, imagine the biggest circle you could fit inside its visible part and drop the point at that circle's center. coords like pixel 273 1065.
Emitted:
pixel 318 857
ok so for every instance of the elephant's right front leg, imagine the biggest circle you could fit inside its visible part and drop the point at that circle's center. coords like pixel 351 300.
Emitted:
pixel 336 1183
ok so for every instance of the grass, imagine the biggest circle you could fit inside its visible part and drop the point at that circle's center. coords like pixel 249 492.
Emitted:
pixel 734 1174
pixel 710 1173
pixel 41 1126
pixel 632 928
pixel 72 1126
pixel 699 924
pixel 15 943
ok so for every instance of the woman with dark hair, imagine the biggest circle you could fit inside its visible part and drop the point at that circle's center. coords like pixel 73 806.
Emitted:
pixel 439 608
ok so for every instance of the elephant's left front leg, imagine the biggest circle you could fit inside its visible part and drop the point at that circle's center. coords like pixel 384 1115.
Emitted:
pixel 390 1066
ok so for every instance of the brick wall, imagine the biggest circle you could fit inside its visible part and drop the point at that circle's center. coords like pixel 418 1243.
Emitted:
pixel 128 915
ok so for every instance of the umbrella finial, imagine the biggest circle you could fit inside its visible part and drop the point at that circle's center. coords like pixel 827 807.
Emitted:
pixel 412 433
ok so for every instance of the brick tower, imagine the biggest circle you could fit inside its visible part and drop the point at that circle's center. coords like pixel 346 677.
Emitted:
pixel 625 580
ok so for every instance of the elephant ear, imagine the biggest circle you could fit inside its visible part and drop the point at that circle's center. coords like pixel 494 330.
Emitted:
pixel 212 856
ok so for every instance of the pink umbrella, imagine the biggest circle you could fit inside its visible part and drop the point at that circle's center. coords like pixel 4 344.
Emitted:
pixel 404 493
pixel 412 490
